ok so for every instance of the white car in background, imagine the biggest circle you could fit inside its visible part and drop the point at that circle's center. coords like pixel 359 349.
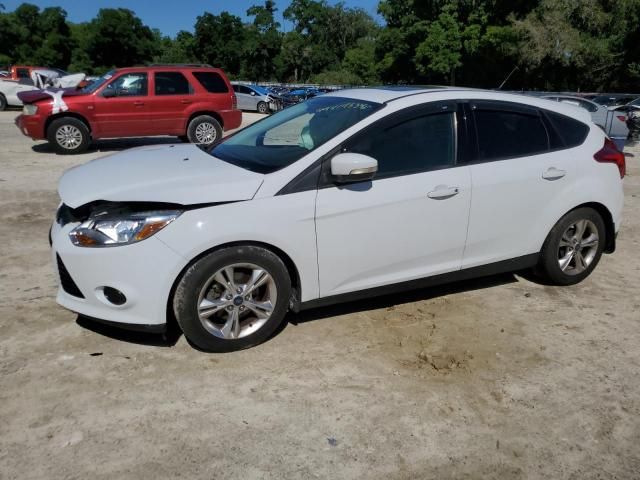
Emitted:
pixel 39 79
pixel 347 195
pixel 614 123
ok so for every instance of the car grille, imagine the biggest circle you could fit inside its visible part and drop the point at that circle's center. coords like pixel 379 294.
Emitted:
pixel 68 285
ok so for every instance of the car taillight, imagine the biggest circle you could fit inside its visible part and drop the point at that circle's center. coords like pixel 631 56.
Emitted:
pixel 622 118
pixel 234 101
pixel 610 154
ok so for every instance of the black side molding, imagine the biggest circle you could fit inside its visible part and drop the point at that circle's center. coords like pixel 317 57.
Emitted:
pixel 512 265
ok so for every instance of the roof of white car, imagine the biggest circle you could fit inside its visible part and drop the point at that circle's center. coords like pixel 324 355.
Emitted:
pixel 386 94
pixel 389 94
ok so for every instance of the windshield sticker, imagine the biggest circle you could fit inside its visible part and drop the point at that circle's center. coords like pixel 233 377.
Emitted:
pixel 346 106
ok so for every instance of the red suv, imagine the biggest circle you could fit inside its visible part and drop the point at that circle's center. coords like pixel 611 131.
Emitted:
pixel 193 102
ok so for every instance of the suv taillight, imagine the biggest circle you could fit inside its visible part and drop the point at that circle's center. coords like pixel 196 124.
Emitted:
pixel 234 101
pixel 610 154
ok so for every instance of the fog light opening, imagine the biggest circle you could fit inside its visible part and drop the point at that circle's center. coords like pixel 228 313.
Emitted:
pixel 114 296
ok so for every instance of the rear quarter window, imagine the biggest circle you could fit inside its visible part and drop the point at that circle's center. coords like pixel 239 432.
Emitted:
pixel 569 133
pixel 212 82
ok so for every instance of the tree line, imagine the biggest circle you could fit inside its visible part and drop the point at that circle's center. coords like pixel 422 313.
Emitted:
pixel 537 44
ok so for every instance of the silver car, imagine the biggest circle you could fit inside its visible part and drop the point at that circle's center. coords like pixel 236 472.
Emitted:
pixel 613 123
pixel 252 97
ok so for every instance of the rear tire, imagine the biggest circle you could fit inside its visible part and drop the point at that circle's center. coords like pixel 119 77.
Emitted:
pixel 232 299
pixel 263 107
pixel 68 136
pixel 3 103
pixel 573 247
pixel 204 130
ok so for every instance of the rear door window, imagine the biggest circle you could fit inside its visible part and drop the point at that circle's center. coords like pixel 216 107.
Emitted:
pixel 172 83
pixel 505 131
pixel 211 81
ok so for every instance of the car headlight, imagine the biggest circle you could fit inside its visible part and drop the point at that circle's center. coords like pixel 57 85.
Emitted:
pixel 30 109
pixel 121 229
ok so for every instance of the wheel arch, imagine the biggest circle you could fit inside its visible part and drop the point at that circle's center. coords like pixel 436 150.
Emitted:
pixel 610 228
pixel 198 113
pixel 292 269
pixel 57 116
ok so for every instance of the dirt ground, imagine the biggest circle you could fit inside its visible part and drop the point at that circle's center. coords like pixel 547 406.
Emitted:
pixel 494 378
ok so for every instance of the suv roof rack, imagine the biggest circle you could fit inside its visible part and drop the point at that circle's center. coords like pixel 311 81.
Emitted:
pixel 190 65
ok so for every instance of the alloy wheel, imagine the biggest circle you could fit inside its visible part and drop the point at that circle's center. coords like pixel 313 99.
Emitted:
pixel 237 301
pixel 205 133
pixel 69 137
pixel 578 247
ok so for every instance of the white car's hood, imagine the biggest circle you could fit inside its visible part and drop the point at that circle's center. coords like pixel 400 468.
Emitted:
pixel 181 174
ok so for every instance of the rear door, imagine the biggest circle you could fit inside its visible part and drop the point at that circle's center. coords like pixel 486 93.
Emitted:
pixel 121 109
pixel 410 222
pixel 172 96
pixel 519 181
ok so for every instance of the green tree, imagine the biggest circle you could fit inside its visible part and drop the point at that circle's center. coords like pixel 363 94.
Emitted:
pixel 178 50
pixel 263 42
pixel 219 40
pixel 117 37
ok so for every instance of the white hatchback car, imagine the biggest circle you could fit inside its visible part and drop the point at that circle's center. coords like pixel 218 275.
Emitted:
pixel 348 195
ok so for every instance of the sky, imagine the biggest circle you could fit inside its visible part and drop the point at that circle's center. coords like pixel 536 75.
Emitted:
pixel 169 17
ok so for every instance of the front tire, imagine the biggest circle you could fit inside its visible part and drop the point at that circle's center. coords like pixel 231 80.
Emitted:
pixel 204 130
pixel 263 107
pixel 573 247
pixel 3 103
pixel 68 136
pixel 232 299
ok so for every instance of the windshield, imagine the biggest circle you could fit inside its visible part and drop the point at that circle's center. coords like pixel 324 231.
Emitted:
pixel 285 137
pixel 96 84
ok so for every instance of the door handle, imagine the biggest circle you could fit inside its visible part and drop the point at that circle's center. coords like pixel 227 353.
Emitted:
pixel 553 174
pixel 138 103
pixel 442 192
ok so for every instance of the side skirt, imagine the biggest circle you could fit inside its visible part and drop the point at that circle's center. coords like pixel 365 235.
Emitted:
pixel 512 265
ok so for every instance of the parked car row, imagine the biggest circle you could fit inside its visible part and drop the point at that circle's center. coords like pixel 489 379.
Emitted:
pixel 271 99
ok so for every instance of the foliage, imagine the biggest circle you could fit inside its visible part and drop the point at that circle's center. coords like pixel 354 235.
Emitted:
pixel 546 44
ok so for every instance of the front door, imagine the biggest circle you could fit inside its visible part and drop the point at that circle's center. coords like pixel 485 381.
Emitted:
pixel 411 220
pixel 121 109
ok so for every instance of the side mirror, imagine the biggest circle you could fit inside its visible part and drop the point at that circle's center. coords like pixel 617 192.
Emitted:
pixel 108 93
pixel 353 167
pixel 253 94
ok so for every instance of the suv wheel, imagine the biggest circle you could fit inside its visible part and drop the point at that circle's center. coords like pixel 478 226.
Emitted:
pixel 68 135
pixel 3 103
pixel 204 130
pixel 232 299
pixel 263 107
pixel 574 247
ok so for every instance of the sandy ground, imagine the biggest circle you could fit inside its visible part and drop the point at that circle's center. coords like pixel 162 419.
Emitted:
pixel 495 378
